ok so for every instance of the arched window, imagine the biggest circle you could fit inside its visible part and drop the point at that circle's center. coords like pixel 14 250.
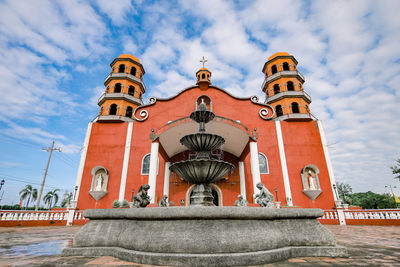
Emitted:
pixel 290 86
pixel 121 68
pixel 206 100
pixel 117 88
pixel 285 66
pixel 146 165
pixel 113 109
pixel 131 90
pixel 263 163
pixel 295 107
pixel 278 110
pixel 129 112
pixel 203 76
pixel 274 69
pixel 276 89
pixel 133 71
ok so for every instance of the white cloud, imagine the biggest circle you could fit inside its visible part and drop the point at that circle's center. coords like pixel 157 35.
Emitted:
pixel 117 10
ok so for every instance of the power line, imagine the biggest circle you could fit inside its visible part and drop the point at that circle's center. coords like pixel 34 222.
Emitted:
pixel 24 179
pixel 30 182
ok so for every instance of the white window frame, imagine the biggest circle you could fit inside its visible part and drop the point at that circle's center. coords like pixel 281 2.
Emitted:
pixel 141 166
pixel 266 160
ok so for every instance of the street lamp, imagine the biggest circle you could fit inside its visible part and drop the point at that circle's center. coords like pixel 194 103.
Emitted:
pixel 391 189
pixel 1 183
pixel 334 188
pixel 276 193
pixel 133 192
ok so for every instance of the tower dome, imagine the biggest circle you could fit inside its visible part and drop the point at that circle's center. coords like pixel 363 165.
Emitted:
pixel 124 89
pixel 203 76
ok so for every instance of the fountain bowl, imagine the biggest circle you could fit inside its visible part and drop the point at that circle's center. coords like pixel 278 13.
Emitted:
pixel 202 116
pixel 201 171
pixel 202 141
pixel 204 236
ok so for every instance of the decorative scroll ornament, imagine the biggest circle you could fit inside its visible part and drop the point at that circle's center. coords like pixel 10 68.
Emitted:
pixel 264 111
pixel 144 114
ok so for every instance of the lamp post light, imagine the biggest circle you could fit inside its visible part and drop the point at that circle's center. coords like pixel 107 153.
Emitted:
pixel 75 189
pixel 335 189
pixel 133 192
pixel 276 193
pixel 2 183
pixel 391 189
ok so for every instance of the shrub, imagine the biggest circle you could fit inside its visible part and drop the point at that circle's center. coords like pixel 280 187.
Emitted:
pixel 125 204
pixel 116 204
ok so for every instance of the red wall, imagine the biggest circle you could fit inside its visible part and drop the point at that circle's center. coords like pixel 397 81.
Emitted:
pixel 302 146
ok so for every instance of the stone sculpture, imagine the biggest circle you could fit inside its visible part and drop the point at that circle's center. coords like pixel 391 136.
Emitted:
pixel 264 198
pixel 163 202
pixel 141 199
pixel 241 202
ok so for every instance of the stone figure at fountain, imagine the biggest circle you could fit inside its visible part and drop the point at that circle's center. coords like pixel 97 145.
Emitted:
pixel 264 198
pixel 141 199
pixel 163 202
pixel 241 202
pixel 204 169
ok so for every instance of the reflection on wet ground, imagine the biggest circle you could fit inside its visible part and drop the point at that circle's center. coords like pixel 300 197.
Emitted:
pixel 47 248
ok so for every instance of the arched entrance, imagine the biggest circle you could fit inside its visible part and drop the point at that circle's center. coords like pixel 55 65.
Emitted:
pixel 216 192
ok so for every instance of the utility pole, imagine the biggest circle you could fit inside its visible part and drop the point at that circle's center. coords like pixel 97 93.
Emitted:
pixel 45 173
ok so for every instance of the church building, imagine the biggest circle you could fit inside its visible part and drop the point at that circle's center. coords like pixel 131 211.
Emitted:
pixel 276 141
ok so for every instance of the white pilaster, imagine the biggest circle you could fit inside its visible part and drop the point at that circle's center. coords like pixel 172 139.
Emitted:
pixel 242 179
pixel 327 158
pixel 166 179
pixel 153 171
pixel 282 155
pixel 126 161
pixel 82 161
pixel 255 166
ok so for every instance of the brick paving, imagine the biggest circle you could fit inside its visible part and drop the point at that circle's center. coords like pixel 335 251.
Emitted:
pixel 41 246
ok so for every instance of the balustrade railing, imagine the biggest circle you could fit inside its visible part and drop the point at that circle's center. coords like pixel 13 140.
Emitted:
pixel 376 217
pixel 17 215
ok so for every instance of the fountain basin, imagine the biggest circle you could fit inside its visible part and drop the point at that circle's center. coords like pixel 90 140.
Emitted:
pixel 204 236
pixel 201 171
pixel 202 116
pixel 202 141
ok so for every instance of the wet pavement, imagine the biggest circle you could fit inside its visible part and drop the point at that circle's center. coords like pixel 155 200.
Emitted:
pixel 42 246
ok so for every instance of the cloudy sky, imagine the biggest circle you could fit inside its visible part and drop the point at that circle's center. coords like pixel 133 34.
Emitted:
pixel 54 56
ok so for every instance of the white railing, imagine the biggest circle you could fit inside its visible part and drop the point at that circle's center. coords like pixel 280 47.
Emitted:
pixel 372 214
pixel 330 215
pixel 16 215
pixel 355 216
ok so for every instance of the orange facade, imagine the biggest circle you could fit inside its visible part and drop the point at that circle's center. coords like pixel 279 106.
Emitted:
pixel 288 146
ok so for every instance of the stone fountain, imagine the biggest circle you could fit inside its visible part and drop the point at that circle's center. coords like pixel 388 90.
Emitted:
pixel 204 169
pixel 202 234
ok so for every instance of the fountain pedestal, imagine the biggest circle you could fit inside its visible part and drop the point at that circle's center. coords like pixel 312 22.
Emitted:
pixel 202 195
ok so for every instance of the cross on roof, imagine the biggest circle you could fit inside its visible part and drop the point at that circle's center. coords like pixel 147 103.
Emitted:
pixel 203 60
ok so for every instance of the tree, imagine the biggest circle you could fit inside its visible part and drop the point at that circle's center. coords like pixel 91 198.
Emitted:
pixel 28 192
pixel 396 169
pixel 66 199
pixel 371 200
pixel 344 191
pixel 50 196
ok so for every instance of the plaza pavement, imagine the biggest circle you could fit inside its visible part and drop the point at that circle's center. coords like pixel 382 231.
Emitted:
pixel 41 246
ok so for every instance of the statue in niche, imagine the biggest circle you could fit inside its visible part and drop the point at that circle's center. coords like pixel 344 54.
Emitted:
pixel 241 202
pixel 99 183
pixel 312 182
pixel 163 202
pixel 264 198
pixel 141 199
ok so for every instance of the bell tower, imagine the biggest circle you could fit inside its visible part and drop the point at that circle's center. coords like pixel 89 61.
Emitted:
pixel 283 86
pixel 124 89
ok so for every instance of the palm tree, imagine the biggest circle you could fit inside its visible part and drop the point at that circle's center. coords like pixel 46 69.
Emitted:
pixel 28 192
pixel 66 199
pixel 48 198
